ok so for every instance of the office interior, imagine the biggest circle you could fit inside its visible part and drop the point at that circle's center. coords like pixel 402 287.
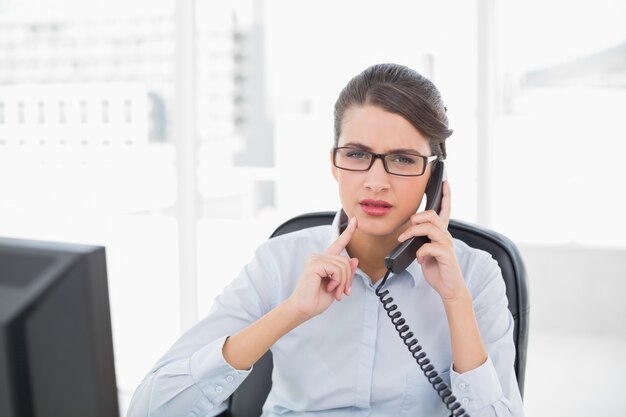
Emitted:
pixel 179 134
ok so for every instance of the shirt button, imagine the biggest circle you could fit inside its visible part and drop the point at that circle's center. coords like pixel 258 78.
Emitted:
pixel 219 389
pixel 462 385
pixel 465 401
pixel 229 378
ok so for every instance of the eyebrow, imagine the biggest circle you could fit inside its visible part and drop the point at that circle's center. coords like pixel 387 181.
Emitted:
pixel 367 148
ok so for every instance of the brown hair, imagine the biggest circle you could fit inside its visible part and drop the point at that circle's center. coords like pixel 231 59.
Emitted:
pixel 400 90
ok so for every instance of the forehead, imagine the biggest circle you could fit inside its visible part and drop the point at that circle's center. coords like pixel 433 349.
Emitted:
pixel 382 131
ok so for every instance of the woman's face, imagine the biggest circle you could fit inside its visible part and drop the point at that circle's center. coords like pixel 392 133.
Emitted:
pixel 381 202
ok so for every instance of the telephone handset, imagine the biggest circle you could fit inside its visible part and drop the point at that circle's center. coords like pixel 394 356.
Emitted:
pixel 404 253
pixel 396 262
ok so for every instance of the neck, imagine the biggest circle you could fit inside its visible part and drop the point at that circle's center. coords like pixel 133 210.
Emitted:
pixel 371 252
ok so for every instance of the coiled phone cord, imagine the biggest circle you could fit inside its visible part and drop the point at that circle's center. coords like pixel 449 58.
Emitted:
pixel 444 392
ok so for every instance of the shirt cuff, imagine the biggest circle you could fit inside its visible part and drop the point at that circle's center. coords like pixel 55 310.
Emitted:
pixel 477 388
pixel 215 377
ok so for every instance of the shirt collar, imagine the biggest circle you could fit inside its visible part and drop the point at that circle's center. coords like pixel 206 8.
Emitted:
pixel 341 221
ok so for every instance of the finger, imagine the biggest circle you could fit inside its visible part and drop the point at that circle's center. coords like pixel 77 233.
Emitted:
pixel 433 232
pixel 342 241
pixel 446 204
pixel 332 284
pixel 338 294
pixel 345 271
pixel 439 252
pixel 332 277
pixel 428 216
pixel 344 264
pixel 354 263
pixel 336 289
pixel 336 271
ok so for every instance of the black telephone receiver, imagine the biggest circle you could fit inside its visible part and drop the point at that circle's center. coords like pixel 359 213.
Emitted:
pixel 396 262
pixel 404 253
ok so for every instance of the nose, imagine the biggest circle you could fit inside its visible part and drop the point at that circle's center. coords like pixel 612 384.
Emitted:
pixel 377 178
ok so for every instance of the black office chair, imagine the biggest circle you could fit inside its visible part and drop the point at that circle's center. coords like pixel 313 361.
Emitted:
pixel 248 400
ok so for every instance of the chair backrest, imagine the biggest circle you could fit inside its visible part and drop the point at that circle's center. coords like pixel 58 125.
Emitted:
pixel 248 400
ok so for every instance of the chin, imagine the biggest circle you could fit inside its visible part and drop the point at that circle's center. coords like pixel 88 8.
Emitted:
pixel 379 227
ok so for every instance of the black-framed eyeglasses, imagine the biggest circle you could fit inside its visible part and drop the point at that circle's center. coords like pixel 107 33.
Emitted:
pixel 404 164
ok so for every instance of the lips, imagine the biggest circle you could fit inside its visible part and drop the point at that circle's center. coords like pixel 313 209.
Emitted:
pixel 375 207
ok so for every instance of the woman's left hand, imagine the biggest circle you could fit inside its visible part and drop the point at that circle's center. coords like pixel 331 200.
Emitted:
pixel 438 258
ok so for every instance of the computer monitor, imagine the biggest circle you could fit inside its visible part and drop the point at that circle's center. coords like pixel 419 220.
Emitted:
pixel 56 350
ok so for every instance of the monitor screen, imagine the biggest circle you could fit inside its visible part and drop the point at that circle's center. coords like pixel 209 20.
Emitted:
pixel 56 350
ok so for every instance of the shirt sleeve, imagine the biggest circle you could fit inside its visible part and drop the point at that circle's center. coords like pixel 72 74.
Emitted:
pixel 193 378
pixel 491 389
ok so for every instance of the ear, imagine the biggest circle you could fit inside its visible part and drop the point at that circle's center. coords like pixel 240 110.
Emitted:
pixel 332 166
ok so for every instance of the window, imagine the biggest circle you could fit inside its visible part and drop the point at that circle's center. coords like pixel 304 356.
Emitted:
pixel 95 147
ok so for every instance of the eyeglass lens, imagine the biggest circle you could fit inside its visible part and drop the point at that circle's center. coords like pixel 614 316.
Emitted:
pixel 399 164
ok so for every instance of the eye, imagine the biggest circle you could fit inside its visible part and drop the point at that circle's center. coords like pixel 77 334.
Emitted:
pixel 357 154
pixel 402 159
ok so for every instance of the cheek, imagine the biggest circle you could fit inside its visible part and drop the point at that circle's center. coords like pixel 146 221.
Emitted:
pixel 348 187
pixel 412 195
pixel 346 183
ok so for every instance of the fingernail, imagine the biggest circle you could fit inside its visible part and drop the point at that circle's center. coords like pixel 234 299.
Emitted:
pixel 349 290
pixel 401 237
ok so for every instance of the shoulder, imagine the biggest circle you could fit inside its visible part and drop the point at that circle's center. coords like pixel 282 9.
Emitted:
pixel 313 237
pixel 291 248
pixel 478 266
pixel 278 262
pixel 470 256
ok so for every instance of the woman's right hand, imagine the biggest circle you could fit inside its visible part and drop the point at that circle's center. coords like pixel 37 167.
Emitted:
pixel 326 276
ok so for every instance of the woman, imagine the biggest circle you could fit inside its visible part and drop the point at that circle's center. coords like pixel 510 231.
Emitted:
pixel 310 295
